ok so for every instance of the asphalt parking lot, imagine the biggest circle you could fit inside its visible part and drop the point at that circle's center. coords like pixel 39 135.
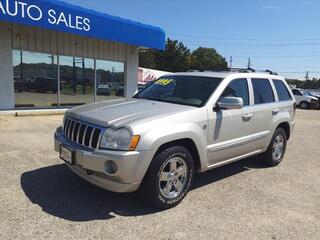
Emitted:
pixel 41 199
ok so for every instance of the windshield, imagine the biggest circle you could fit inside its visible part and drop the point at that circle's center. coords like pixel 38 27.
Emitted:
pixel 186 90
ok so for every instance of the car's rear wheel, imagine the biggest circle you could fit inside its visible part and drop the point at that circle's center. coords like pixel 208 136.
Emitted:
pixel 169 177
pixel 277 148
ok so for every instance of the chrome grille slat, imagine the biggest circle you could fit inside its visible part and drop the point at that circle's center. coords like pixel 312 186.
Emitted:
pixel 66 126
pixel 73 129
pixel 99 139
pixel 91 136
pixel 84 135
pixel 76 131
pixel 79 132
pixel 69 130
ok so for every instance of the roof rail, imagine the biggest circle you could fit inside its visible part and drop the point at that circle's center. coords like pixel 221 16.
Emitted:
pixel 239 70
pixel 246 70
pixel 242 70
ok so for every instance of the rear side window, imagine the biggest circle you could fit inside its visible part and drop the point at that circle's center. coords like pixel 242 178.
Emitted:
pixel 262 91
pixel 283 93
pixel 238 88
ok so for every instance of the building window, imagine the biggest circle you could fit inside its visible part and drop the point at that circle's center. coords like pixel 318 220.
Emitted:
pixel 35 79
pixel 110 80
pixel 36 82
pixel 76 80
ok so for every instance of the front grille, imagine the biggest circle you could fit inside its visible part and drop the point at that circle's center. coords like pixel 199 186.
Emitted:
pixel 82 133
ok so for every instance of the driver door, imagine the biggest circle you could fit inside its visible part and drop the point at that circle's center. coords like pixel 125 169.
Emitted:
pixel 231 131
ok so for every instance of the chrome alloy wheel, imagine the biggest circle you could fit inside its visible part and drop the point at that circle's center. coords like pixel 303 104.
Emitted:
pixel 278 147
pixel 173 177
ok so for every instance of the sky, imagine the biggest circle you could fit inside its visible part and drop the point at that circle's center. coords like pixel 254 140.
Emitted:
pixel 280 35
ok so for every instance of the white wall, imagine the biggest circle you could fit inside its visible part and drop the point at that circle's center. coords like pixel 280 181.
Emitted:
pixel 131 70
pixel 6 70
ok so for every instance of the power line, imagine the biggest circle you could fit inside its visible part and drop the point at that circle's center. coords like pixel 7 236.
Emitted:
pixel 197 43
pixel 300 72
pixel 244 39
pixel 274 56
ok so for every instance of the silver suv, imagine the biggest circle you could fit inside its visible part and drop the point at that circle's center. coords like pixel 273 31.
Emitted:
pixel 180 124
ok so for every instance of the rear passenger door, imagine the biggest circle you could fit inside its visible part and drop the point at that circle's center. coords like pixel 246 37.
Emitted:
pixel 265 108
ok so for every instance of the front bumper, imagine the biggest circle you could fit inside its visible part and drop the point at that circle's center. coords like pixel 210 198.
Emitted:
pixel 314 104
pixel 131 165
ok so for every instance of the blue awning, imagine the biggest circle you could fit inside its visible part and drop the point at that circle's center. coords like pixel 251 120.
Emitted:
pixel 64 17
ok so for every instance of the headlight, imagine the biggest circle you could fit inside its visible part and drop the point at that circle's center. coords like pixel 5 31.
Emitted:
pixel 119 139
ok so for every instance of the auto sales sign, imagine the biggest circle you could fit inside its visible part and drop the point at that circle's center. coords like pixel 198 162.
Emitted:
pixel 64 17
pixel 42 14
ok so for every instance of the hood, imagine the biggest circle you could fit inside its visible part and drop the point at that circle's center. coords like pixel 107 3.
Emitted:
pixel 124 112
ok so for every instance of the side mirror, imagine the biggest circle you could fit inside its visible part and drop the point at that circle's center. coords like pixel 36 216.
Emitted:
pixel 230 103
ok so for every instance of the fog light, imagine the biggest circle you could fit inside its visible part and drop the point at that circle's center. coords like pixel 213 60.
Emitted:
pixel 110 167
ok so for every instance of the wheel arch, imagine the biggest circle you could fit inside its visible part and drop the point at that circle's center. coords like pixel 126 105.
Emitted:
pixel 189 144
pixel 286 127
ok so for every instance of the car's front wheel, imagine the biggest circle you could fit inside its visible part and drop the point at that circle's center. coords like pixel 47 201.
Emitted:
pixel 304 105
pixel 169 177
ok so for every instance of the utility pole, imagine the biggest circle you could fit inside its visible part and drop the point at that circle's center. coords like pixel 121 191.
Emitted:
pixel 83 77
pixel 21 65
pixel 230 64
pixel 307 76
pixel 249 63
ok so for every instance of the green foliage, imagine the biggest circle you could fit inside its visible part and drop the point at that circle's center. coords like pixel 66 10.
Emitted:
pixel 309 84
pixel 207 59
pixel 178 58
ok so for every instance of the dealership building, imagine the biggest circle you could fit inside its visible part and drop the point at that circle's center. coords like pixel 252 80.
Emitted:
pixel 54 54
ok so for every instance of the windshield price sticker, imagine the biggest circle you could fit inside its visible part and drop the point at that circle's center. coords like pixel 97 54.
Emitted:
pixel 163 82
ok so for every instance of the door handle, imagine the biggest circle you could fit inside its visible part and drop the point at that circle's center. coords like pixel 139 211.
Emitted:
pixel 275 111
pixel 247 117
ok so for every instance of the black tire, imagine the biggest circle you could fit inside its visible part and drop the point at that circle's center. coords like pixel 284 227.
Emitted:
pixel 268 157
pixel 304 105
pixel 151 186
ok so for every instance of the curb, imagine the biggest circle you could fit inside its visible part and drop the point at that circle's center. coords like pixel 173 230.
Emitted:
pixel 40 112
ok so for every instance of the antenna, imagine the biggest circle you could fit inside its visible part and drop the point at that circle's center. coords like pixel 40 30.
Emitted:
pixel 249 63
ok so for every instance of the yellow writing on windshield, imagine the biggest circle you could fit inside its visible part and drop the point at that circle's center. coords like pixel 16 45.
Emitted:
pixel 163 82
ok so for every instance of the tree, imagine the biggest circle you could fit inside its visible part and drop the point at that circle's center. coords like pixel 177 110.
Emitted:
pixel 207 59
pixel 147 59
pixel 175 57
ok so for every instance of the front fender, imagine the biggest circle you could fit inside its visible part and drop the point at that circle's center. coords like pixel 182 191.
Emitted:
pixel 154 139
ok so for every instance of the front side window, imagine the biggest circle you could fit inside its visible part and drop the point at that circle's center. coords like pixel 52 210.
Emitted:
pixel 282 91
pixel 185 90
pixel 238 88
pixel 262 91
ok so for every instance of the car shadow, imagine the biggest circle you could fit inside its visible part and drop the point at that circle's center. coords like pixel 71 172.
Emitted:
pixel 61 193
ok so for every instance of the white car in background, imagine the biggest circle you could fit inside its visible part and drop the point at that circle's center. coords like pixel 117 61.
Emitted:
pixel 304 100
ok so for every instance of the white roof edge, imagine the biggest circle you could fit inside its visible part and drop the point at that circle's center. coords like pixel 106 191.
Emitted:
pixel 226 74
